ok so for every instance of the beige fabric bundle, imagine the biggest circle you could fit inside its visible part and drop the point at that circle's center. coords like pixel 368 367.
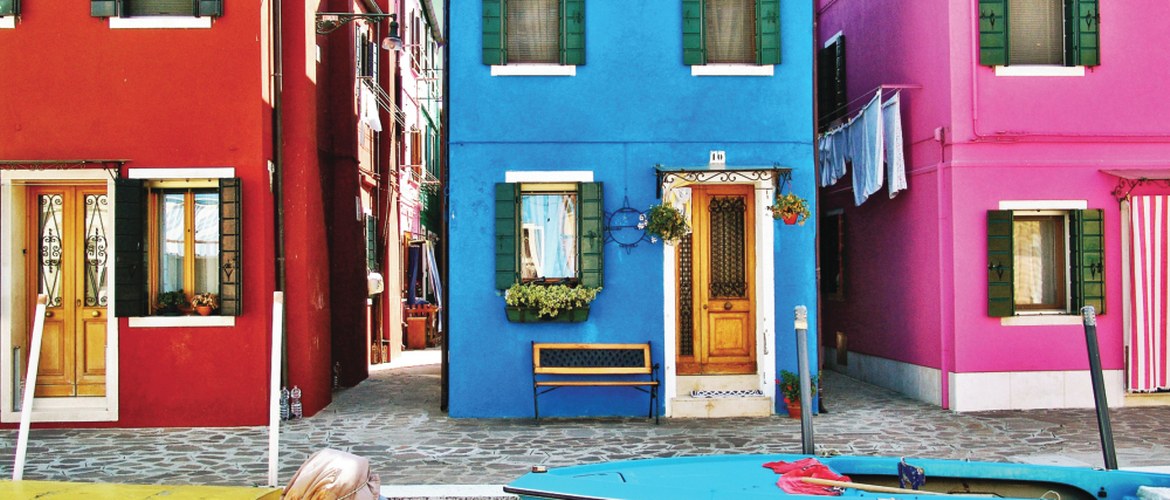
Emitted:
pixel 332 474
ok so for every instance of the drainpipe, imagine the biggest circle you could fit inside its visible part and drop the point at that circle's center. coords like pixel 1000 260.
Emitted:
pixel 278 166
pixel 445 207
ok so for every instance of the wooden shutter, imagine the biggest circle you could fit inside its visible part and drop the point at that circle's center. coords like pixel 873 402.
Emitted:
pixel 694 46
pixel 129 248
pixel 371 243
pixel 416 145
pixel 105 8
pixel 573 32
pixel 831 82
pixel 993 32
pixel 767 31
pixel 494 51
pixel 592 233
pixel 507 227
pixel 1000 286
pixel 1087 248
pixel 231 270
pixel 209 8
pixel 1082 32
pixel 9 7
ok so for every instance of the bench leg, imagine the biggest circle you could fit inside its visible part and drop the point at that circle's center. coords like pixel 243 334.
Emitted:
pixel 535 405
pixel 653 404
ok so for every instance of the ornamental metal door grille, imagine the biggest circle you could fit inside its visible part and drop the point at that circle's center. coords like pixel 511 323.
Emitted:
pixel 686 297
pixel 728 263
pixel 52 247
pixel 96 256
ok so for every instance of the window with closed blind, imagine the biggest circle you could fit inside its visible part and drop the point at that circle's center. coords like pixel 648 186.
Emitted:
pixel 143 8
pixel 1039 32
pixel 534 32
pixel 731 32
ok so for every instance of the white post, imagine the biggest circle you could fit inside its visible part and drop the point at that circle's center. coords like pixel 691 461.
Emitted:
pixel 30 386
pixel 274 386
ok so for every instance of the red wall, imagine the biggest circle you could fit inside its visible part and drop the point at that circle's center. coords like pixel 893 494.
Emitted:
pixel 73 88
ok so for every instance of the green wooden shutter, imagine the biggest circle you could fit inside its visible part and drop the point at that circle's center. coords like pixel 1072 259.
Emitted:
pixel 592 234
pixel 209 8
pixel 993 32
pixel 1082 32
pixel 1087 248
pixel 494 49
pixel 9 7
pixel 231 270
pixel 767 31
pixel 573 32
pixel 507 227
pixel 105 8
pixel 371 243
pixel 1000 288
pixel 129 248
pixel 694 46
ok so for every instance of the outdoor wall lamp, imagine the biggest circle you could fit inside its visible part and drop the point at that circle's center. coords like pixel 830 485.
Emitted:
pixel 328 22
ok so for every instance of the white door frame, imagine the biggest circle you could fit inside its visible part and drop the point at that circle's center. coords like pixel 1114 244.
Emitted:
pixel 764 304
pixel 14 302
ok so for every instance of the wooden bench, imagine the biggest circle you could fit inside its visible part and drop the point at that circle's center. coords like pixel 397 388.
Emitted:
pixel 593 365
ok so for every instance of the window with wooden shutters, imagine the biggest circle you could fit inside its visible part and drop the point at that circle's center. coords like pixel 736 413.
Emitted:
pixel 731 32
pixel 549 232
pixel 177 236
pixel 1039 32
pixel 831 101
pixel 9 8
pixel 132 8
pixel 1044 261
pixel 534 31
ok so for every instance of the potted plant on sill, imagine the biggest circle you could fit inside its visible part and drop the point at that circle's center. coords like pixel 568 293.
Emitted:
pixel 790 208
pixel 790 389
pixel 170 302
pixel 205 303
pixel 530 302
pixel 664 222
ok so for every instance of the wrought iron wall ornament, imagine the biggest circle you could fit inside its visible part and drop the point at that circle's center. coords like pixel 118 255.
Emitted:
pixel 624 227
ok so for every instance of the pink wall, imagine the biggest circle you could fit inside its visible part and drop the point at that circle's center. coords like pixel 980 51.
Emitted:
pixel 916 286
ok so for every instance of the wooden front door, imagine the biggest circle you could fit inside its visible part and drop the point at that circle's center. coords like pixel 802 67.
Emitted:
pixel 716 283
pixel 68 250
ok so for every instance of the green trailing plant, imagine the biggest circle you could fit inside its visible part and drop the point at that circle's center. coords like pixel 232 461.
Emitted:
pixel 664 222
pixel 790 385
pixel 790 208
pixel 549 300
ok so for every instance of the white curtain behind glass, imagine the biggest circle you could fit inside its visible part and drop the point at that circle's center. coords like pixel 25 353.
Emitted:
pixel 731 31
pixel 1036 32
pixel 533 31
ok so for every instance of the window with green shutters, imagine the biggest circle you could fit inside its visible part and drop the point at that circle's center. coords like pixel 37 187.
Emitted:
pixel 731 32
pixel 173 235
pixel 549 233
pixel 1039 32
pixel 534 31
pixel 132 8
pixel 1044 261
pixel 9 7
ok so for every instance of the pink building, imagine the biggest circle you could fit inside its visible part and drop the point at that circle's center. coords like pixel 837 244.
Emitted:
pixel 1037 158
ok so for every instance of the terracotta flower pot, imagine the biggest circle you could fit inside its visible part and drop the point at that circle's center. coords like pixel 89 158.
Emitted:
pixel 203 310
pixel 789 219
pixel 793 408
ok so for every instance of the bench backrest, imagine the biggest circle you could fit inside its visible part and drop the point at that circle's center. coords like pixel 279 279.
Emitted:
pixel 591 359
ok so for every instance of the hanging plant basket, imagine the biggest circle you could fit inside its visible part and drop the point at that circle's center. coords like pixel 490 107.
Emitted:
pixel 790 208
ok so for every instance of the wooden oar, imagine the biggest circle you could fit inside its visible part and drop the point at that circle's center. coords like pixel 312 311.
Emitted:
pixel 866 487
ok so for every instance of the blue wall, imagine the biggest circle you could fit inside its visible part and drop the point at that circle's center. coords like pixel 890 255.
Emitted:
pixel 631 106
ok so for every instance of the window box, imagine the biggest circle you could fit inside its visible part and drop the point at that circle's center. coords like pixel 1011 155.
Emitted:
pixel 532 315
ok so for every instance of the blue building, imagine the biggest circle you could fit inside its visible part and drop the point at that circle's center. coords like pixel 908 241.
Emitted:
pixel 568 118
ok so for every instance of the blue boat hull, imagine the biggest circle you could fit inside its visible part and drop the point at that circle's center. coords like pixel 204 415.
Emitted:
pixel 745 477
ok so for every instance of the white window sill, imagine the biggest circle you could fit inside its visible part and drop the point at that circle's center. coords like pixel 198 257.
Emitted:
pixel 160 22
pixel 733 70
pixel 7 22
pixel 1039 70
pixel 182 321
pixel 1061 319
pixel 534 70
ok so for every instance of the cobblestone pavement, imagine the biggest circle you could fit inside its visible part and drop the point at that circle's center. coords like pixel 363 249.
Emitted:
pixel 393 419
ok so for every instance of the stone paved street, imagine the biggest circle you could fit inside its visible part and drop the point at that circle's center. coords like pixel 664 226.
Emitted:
pixel 393 419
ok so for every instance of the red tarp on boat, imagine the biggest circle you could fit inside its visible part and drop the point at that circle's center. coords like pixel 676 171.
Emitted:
pixel 791 472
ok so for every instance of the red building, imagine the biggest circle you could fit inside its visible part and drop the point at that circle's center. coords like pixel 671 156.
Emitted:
pixel 152 150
